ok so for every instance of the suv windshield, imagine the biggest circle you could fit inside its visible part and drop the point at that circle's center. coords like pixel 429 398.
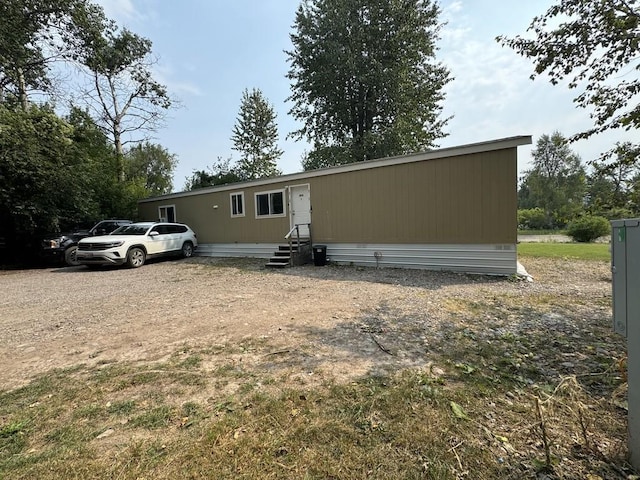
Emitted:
pixel 131 230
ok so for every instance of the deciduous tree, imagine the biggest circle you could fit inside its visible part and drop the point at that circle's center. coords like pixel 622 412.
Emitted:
pixel 153 165
pixel 44 180
pixel 365 80
pixel 220 173
pixel 595 46
pixel 33 35
pixel 556 183
pixel 612 186
pixel 123 94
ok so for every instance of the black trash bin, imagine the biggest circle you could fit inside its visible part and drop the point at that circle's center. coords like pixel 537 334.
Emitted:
pixel 319 255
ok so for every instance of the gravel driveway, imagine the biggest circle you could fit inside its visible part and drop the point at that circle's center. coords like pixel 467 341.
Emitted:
pixel 333 321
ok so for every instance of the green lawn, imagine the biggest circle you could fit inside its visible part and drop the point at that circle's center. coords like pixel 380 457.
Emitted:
pixel 579 251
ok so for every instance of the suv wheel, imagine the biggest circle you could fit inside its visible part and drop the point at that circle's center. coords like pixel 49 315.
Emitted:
pixel 136 257
pixel 70 257
pixel 187 250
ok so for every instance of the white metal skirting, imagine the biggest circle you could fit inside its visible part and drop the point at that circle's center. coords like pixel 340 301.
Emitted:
pixel 488 259
pixel 257 250
pixel 497 259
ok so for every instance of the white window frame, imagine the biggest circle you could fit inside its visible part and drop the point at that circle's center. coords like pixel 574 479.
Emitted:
pixel 166 219
pixel 271 215
pixel 244 206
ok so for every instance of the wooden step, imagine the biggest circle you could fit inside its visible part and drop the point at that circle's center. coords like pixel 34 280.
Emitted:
pixel 283 256
pixel 279 261
pixel 294 247
pixel 276 265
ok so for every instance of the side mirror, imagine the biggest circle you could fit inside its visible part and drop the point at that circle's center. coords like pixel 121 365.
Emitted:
pixel 153 234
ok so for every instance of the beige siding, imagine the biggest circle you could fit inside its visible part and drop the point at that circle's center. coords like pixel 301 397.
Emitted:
pixel 215 225
pixel 466 199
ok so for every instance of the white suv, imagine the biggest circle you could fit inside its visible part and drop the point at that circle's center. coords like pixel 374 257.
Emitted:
pixel 133 244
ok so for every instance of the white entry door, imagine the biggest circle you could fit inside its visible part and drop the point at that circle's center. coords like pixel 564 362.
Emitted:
pixel 300 208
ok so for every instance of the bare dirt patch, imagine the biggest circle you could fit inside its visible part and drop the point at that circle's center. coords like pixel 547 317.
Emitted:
pixel 337 322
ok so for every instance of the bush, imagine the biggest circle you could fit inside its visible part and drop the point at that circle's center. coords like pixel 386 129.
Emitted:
pixel 532 219
pixel 588 228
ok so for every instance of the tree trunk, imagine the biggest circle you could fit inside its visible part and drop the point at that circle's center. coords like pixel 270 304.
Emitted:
pixel 22 90
pixel 119 154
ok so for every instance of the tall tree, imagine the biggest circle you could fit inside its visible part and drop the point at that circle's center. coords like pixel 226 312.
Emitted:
pixel 594 45
pixel 35 34
pixel 154 165
pixel 365 81
pixel 124 94
pixel 255 136
pixel 556 183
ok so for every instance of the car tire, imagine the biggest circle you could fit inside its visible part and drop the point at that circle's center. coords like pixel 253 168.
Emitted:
pixel 70 257
pixel 187 250
pixel 135 257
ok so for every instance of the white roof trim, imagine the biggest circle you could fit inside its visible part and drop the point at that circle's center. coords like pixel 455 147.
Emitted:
pixel 480 147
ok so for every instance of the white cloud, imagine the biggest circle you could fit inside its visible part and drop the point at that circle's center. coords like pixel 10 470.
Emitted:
pixel 119 10
pixel 453 7
pixel 164 74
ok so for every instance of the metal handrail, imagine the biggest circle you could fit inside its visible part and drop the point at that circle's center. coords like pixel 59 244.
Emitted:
pixel 296 227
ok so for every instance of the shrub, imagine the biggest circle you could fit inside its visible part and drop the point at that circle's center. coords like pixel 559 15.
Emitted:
pixel 532 219
pixel 588 228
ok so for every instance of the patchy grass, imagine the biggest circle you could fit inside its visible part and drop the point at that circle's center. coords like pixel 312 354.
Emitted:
pixel 480 416
pixel 575 251
pixel 519 384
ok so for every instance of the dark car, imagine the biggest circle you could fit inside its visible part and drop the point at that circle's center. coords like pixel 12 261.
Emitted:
pixel 61 248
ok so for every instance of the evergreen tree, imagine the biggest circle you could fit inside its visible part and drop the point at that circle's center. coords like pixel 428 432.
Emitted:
pixel 255 136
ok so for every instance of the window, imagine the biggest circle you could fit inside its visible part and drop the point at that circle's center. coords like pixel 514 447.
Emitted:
pixel 167 213
pixel 162 229
pixel 270 204
pixel 237 204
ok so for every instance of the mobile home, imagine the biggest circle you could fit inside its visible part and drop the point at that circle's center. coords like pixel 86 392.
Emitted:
pixel 446 209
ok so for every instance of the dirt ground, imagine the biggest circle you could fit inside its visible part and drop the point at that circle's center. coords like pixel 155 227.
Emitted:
pixel 324 321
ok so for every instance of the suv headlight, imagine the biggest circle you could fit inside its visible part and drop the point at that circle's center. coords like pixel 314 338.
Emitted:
pixel 114 244
pixel 55 242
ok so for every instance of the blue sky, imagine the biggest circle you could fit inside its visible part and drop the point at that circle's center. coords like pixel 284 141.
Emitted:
pixel 209 51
